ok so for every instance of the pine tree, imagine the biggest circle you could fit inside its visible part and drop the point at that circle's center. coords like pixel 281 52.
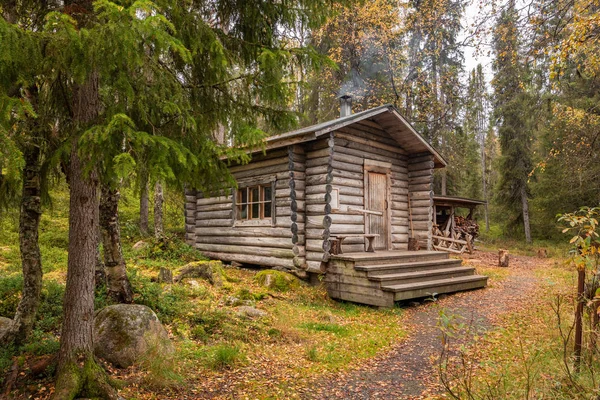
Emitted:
pixel 511 103
pixel 476 125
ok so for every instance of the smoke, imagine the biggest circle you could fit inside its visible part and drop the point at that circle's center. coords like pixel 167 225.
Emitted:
pixel 367 65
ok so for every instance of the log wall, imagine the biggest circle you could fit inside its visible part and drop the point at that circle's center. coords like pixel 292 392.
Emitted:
pixel 352 147
pixel 420 187
pixel 263 242
pixel 190 216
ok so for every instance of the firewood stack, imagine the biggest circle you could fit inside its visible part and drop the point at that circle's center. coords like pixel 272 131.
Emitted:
pixel 465 226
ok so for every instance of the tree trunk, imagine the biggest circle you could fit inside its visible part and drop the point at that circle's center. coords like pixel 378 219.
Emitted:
pixel 484 186
pixel 144 205
pixel 30 251
pixel 444 183
pixel 77 373
pixel 579 319
pixel 158 210
pixel 118 286
pixel 525 203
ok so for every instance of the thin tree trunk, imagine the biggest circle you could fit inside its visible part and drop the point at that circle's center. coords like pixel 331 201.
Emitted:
pixel 30 251
pixel 118 286
pixel 444 183
pixel 158 210
pixel 484 186
pixel 100 272
pixel 579 319
pixel 144 205
pixel 525 204
pixel 78 375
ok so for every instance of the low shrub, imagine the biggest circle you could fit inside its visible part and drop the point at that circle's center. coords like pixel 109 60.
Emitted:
pixel 225 356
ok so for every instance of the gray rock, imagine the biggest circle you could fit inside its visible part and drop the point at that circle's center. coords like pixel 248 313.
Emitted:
pixel 251 312
pixel 126 333
pixel 5 324
pixel 140 245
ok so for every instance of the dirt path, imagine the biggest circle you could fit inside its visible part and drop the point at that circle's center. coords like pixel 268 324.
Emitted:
pixel 408 370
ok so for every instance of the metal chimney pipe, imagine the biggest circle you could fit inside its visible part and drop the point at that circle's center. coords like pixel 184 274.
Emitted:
pixel 345 105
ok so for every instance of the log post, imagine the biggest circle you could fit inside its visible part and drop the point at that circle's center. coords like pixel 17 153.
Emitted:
pixel 503 258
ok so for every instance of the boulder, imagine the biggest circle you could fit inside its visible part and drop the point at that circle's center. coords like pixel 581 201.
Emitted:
pixel 251 312
pixel 211 271
pixel 276 280
pixel 126 333
pixel 5 324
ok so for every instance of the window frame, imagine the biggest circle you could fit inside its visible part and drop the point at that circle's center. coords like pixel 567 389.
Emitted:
pixel 250 219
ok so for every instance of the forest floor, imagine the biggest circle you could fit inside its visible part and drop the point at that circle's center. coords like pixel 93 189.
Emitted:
pixel 308 347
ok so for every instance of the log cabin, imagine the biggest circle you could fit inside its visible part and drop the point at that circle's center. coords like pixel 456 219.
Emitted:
pixel 340 198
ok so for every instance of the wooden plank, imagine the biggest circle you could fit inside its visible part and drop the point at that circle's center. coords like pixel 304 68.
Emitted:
pixel 251 259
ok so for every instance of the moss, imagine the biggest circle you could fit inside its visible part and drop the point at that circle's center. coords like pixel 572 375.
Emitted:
pixel 276 280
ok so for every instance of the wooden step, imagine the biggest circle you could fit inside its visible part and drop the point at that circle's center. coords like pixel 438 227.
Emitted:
pixel 422 276
pixel 375 270
pixel 428 288
pixel 390 257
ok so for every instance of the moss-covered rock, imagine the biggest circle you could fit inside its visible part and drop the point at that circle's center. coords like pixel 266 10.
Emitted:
pixel 277 280
pixel 126 333
pixel 211 271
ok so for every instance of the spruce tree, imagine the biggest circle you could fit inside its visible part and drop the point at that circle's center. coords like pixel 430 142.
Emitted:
pixel 511 104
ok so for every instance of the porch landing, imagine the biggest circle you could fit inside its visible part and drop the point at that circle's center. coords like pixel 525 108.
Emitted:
pixel 383 277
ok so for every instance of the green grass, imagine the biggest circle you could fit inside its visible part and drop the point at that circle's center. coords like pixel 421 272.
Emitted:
pixel 336 329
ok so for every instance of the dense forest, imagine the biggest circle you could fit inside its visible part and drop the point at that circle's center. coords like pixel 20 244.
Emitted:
pixel 104 99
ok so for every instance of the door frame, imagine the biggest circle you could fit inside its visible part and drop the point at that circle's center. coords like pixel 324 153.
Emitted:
pixel 380 167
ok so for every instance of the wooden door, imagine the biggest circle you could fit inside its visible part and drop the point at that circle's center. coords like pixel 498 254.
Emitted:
pixel 376 200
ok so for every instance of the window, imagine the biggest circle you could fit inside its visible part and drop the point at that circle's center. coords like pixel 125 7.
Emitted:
pixel 255 202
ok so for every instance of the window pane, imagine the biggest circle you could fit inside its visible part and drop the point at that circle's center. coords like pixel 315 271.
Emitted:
pixel 243 196
pixel 255 198
pixel 255 210
pixel 243 211
pixel 267 193
pixel 267 212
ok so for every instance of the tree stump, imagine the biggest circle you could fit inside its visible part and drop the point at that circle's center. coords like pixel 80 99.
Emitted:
pixel 542 253
pixel 165 275
pixel 503 258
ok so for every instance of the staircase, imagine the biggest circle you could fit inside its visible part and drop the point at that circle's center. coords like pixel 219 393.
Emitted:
pixel 381 278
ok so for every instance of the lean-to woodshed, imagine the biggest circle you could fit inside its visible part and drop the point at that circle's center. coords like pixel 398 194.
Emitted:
pixel 359 178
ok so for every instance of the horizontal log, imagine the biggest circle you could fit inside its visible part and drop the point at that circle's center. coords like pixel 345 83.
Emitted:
pixel 422 226
pixel 362 137
pixel 206 215
pixel 257 231
pixel 261 172
pixel 251 250
pixel 414 204
pixel 214 222
pixel 400 238
pixel 416 174
pixel 254 165
pixel 343 218
pixel 190 199
pixel 251 259
pixel 418 166
pixel 214 200
pixel 315 162
pixel 214 207
pixel 417 158
pixel 349 146
pixel 398 229
pixel 400 246
pixel 420 180
pixel 424 187
pixel 339 229
pixel 278 242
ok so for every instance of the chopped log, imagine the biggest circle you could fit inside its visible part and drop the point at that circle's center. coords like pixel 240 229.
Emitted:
pixel 503 258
